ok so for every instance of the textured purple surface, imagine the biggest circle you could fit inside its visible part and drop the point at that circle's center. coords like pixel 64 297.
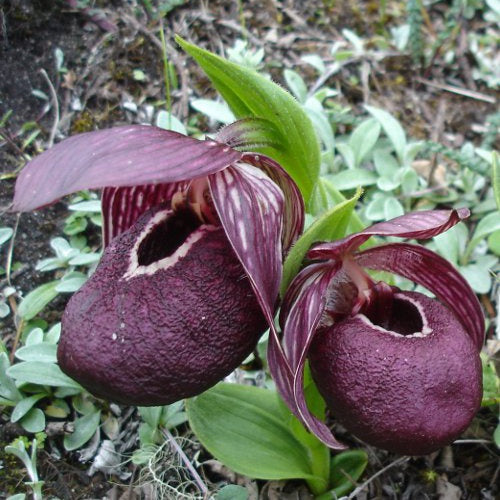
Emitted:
pixel 155 339
pixel 410 395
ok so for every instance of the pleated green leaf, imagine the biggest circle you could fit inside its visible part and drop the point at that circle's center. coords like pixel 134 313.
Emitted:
pixel 247 429
pixel 249 94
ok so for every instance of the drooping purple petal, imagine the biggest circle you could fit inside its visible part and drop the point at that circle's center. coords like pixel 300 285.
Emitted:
pixel 434 273
pixel 308 292
pixel 309 289
pixel 419 225
pixel 250 207
pixel 122 206
pixel 121 156
pixel 280 369
pixel 294 203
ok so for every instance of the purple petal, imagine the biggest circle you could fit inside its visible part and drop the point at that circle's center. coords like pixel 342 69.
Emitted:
pixel 280 369
pixel 309 295
pixel 122 206
pixel 250 207
pixel 434 273
pixel 294 203
pixel 121 156
pixel 419 225
pixel 316 426
pixel 302 309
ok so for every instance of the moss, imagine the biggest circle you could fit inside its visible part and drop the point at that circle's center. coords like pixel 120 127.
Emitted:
pixel 84 122
pixel 11 474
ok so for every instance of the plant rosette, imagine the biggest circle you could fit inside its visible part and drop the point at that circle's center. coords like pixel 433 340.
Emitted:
pixel 195 232
pixel 398 369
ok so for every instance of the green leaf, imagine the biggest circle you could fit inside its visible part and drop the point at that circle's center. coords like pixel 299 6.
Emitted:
pixel 217 111
pixel 151 415
pixel 491 382
pixel 24 406
pixel 363 139
pixel 387 183
pixel 249 94
pixel 71 283
pixel 37 372
pixel 5 234
pixel 375 209
pixel 496 435
pixel 411 151
pixel 495 167
pixel 392 208
pixel 43 351
pixel 244 427
pixel 232 492
pixel 494 242
pixel 34 337
pixel 90 206
pixel 33 421
pixel 392 128
pixel 331 225
pixel 409 181
pixel 353 178
pixel 149 435
pixel 4 308
pixel 85 428
pixel 52 336
pixel 18 449
pixel 347 467
pixel 296 84
pixel 478 277
pixel 487 225
pixel 8 389
pixel 37 299
pixel 347 154
pixel 321 126
pixel 326 196
pixel 84 259
pixel 168 121
pixel 75 224
pixel 58 409
pixel 449 243
pixel 315 61
pixel 386 164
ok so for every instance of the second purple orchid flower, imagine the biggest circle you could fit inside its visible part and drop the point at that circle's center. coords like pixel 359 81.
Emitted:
pixel 398 369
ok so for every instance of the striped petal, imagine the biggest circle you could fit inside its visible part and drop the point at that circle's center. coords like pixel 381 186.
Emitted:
pixel 308 297
pixel 121 156
pixel 122 206
pixel 428 269
pixel 419 225
pixel 294 203
pixel 250 207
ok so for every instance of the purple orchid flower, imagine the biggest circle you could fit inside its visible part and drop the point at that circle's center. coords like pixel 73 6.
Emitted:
pixel 195 232
pixel 398 369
